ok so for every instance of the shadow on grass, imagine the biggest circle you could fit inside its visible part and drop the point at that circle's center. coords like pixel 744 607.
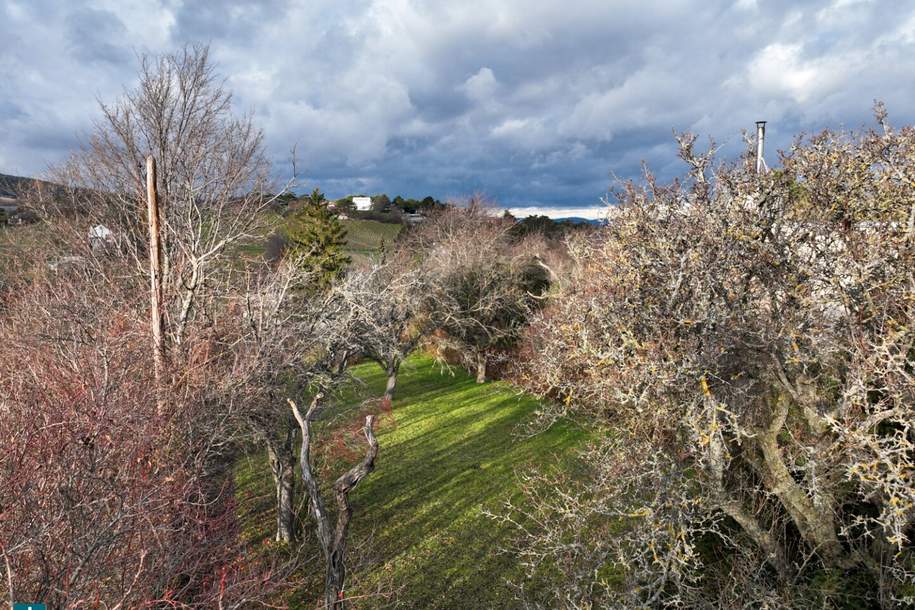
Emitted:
pixel 452 453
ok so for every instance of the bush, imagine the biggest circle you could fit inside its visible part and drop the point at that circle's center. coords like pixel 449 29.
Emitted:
pixel 108 498
pixel 750 341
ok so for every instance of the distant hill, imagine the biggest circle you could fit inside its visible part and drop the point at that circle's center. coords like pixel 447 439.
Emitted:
pixel 579 220
pixel 9 189
pixel 14 186
pixel 6 192
pixel 13 193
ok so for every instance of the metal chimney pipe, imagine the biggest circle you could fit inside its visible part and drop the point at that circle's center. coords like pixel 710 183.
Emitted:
pixel 760 143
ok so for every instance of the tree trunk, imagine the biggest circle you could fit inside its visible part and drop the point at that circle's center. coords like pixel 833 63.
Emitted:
pixel 816 524
pixel 285 515
pixel 731 504
pixel 157 322
pixel 392 368
pixel 334 573
pixel 282 466
pixel 336 569
pixel 333 543
pixel 481 368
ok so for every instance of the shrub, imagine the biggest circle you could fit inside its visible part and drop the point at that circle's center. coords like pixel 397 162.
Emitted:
pixel 750 341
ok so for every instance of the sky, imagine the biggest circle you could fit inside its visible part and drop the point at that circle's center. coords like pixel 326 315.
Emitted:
pixel 540 105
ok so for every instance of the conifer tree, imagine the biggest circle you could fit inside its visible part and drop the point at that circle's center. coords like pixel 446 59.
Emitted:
pixel 318 239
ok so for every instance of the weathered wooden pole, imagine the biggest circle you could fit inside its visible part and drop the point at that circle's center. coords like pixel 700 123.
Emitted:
pixel 155 279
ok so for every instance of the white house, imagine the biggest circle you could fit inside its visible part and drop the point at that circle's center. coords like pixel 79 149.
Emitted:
pixel 99 236
pixel 363 204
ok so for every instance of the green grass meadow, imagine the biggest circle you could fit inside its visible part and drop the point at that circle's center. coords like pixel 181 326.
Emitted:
pixel 364 238
pixel 419 537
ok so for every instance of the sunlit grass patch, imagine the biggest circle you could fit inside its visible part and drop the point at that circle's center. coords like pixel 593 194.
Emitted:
pixel 450 453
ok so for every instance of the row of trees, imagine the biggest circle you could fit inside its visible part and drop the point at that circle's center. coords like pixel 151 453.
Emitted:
pixel 382 203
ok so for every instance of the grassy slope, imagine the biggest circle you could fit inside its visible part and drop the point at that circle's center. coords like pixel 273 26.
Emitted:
pixel 363 237
pixel 450 453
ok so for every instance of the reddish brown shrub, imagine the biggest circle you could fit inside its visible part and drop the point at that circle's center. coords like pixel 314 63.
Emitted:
pixel 105 501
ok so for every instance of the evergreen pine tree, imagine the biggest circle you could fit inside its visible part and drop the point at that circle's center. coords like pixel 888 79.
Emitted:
pixel 317 238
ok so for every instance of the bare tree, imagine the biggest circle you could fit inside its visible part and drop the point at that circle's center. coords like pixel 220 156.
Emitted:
pixel 749 339
pixel 391 295
pixel 482 286
pixel 297 343
pixel 212 180
pixel 332 541
pixel 124 505
pixel 292 342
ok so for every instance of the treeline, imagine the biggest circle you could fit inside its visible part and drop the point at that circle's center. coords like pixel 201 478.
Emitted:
pixel 382 203
pixel 383 209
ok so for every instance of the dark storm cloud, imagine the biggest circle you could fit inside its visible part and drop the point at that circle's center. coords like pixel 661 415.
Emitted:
pixel 529 101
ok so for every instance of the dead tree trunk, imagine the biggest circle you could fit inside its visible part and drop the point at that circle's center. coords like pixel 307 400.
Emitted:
pixel 282 465
pixel 481 367
pixel 155 279
pixel 333 542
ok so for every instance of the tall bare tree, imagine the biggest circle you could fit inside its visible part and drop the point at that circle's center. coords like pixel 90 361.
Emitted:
pixel 297 344
pixel 130 507
pixel 395 321
pixel 212 179
pixel 292 343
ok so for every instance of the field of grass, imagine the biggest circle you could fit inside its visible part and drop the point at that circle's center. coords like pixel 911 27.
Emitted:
pixel 449 453
pixel 364 238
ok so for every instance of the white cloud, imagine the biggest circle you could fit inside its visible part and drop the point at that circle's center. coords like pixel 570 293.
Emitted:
pixel 781 70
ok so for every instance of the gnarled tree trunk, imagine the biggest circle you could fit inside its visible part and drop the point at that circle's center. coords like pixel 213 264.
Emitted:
pixel 731 504
pixel 816 523
pixel 333 543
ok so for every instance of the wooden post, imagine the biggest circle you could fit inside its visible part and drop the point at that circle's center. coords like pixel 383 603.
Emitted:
pixel 155 278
